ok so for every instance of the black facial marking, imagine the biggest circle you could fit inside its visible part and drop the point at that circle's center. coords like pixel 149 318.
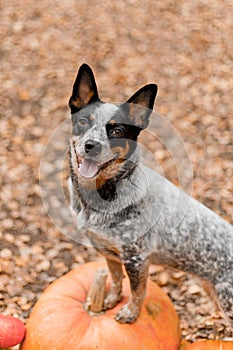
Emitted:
pixel 116 134
pixel 123 125
pixel 115 130
pixel 121 133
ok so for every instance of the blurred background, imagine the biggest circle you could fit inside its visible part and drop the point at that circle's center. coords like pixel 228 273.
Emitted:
pixel 185 47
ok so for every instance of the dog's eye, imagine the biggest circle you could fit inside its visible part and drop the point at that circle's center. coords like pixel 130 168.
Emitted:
pixel 117 132
pixel 83 122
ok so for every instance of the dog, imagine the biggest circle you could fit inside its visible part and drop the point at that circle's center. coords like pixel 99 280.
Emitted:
pixel 131 214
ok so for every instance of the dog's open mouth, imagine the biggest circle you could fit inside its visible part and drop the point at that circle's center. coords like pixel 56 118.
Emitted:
pixel 89 168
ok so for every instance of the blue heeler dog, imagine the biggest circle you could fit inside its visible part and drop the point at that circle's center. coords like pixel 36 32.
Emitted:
pixel 131 214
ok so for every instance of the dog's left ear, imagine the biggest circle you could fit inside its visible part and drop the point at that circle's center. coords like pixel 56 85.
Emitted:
pixel 139 107
pixel 84 89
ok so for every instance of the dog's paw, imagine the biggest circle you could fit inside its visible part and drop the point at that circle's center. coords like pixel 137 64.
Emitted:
pixel 111 300
pixel 128 313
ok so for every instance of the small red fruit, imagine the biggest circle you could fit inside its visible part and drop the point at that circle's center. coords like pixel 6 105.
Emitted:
pixel 12 331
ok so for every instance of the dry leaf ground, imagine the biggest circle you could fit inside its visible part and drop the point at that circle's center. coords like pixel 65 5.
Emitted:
pixel 185 47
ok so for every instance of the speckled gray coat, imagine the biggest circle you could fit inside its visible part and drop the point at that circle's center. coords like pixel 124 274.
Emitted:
pixel 148 219
pixel 161 223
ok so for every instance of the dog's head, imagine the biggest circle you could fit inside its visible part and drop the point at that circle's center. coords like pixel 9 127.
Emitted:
pixel 104 135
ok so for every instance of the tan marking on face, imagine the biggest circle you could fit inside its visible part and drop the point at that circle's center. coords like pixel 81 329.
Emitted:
pixel 104 175
pixel 91 117
pixel 122 151
pixel 112 122
pixel 109 172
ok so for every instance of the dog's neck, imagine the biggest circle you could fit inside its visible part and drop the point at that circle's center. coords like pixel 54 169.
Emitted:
pixel 108 191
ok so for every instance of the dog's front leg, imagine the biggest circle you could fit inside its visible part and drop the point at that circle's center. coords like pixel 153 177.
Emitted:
pixel 137 271
pixel 114 295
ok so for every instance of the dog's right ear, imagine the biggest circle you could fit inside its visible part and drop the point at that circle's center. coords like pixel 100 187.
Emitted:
pixel 139 107
pixel 84 89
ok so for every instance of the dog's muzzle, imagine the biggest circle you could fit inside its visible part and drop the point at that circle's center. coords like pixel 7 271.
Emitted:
pixel 88 166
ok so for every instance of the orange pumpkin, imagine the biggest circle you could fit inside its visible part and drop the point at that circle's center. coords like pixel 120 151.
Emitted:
pixel 211 345
pixel 59 320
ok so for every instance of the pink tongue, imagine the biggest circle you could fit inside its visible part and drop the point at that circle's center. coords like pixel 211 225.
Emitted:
pixel 88 168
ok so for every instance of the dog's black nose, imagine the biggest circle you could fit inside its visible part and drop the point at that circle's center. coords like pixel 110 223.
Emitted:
pixel 94 147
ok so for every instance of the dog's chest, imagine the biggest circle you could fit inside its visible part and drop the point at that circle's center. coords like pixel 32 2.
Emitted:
pixel 94 220
pixel 117 228
pixel 108 247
